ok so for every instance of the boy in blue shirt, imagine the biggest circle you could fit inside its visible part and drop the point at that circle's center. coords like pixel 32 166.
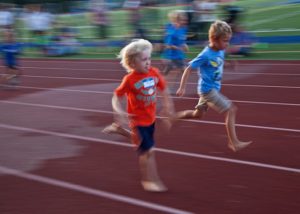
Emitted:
pixel 175 42
pixel 10 50
pixel 210 63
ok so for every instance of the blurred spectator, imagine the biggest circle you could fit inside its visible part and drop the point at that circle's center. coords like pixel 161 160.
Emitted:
pixel 233 15
pixel 100 18
pixel 39 23
pixel 241 43
pixel 204 15
pixel 6 17
pixel 10 50
pixel 175 42
pixel 135 18
pixel 64 43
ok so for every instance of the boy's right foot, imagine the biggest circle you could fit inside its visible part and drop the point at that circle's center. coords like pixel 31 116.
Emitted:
pixel 116 129
pixel 238 146
pixel 154 186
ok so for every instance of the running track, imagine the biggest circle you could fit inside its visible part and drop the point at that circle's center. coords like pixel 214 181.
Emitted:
pixel 54 159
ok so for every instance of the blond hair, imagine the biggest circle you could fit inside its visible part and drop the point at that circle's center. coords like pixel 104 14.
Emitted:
pixel 176 15
pixel 130 52
pixel 219 29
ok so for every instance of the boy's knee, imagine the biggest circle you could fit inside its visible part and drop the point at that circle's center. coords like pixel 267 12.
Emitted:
pixel 232 109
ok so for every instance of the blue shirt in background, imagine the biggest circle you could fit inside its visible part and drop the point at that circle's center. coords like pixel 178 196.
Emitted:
pixel 177 37
pixel 10 52
pixel 209 64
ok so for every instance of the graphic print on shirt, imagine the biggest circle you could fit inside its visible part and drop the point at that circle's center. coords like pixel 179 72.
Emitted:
pixel 147 89
pixel 218 65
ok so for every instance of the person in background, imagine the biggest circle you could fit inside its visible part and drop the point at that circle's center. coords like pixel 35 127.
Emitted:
pixel 100 18
pixel 204 15
pixel 175 42
pixel 10 50
pixel 209 64
pixel 135 18
pixel 140 87
pixel 39 23
pixel 6 18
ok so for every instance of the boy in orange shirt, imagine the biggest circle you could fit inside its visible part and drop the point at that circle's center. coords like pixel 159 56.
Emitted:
pixel 140 87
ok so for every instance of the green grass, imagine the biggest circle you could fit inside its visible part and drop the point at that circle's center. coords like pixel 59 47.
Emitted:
pixel 264 17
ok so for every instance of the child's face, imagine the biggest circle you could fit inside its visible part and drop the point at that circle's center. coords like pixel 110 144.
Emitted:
pixel 143 61
pixel 221 43
pixel 182 21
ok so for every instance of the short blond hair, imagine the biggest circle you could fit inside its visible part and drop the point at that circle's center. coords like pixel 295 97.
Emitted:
pixel 130 52
pixel 219 29
pixel 175 15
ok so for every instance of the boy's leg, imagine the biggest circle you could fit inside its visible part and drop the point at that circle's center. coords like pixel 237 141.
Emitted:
pixel 149 175
pixel 189 114
pixel 200 109
pixel 234 143
pixel 222 104
pixel 150 178
pixel 15 76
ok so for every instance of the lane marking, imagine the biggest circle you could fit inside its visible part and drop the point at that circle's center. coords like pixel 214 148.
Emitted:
pixel 116 61
pixel 91 191
pixel 173 97
pixel 122 70
pixel 189 83
pixel 168 151
pixel 111 112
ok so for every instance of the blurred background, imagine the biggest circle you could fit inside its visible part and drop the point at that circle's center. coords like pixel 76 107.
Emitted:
pixel 263 29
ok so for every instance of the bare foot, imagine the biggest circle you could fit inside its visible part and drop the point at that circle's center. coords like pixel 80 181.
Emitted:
pixel 154 186
pixel 238 146
pixel 115 128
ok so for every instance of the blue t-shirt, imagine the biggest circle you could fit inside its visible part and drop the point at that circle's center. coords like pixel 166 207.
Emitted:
pixel 209 64
pixel 10 52
pixel 177 37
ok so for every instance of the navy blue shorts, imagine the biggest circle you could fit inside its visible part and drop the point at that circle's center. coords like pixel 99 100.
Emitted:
pixel 146 135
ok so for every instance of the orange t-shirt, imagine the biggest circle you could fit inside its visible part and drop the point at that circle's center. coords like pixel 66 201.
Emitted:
pixel 141 91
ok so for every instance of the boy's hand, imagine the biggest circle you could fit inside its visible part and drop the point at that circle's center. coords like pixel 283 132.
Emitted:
pixel 180 92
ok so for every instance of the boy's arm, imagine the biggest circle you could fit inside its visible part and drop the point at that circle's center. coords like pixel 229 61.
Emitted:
pixel 167 103
pixel 121 116
pixel 181 90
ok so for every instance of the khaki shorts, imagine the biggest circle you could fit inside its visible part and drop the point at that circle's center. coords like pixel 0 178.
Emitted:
pixel 214 100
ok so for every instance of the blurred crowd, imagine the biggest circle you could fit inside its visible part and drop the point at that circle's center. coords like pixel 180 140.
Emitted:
pixel 38 25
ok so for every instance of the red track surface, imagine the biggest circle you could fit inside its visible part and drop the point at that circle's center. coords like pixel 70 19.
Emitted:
pixel 54 159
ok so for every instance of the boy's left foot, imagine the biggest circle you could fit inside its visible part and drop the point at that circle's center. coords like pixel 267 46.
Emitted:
pixel 14 80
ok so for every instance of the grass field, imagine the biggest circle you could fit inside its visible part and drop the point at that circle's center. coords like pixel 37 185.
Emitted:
pixel 261 17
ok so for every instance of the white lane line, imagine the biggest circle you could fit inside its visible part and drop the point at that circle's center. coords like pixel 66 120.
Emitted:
pixel 122 70
pixel 118 143
pixel 116 61
pixel 173 97
pixel 190 83
pixel 91 191
pixel 262 86
pixel 111 112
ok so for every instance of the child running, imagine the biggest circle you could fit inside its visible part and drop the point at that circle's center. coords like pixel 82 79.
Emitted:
pixel 140 87
pixel 209 64
pixel 10 50
pixel 175 42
